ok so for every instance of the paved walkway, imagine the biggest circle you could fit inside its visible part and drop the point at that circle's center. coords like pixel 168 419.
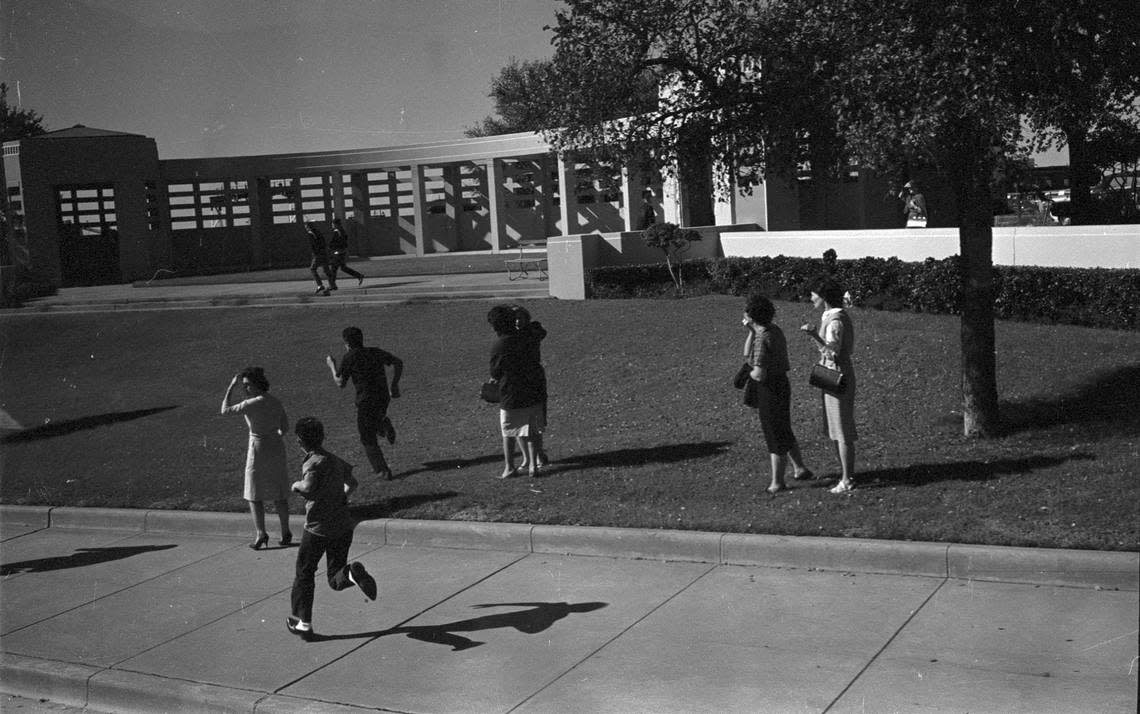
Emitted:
pixel 170 611
pixel 230 292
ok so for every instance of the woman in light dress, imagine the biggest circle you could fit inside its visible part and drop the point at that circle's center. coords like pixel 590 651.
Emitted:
pixel 266 473
pixel 836 341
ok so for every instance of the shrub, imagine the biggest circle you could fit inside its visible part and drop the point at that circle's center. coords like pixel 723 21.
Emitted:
pixel 674 242
pixel 23 289
pixel 1075 296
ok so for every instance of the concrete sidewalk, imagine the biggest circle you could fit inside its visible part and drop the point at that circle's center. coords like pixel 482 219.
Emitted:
pixel 231 292
pixel 157 611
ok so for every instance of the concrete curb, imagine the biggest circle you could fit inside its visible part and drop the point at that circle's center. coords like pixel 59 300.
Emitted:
pixel 1110 570
pixel 61 682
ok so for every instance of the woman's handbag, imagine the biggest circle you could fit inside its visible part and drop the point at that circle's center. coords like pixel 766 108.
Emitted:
pixel 741 377
pixel 827 379
pixel 489 392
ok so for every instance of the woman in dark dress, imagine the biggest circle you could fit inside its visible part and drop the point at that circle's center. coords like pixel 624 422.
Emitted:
pixel 767 353
pixel 514 364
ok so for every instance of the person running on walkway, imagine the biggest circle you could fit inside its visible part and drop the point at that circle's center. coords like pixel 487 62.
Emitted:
pixel 326 483
pixel 320 259
pixel 338 253
pixel 365 366
pixel 266 474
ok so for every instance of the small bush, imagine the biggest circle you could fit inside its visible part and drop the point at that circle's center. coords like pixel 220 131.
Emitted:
pixel 1074 296
pixel 23 289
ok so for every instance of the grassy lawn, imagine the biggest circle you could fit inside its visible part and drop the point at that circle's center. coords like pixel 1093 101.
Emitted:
pixel 646 431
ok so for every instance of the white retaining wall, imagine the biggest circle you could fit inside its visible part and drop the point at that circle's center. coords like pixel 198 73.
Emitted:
pixel 571 257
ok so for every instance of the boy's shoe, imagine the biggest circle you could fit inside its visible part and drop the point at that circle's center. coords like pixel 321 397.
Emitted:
pixel 842 487
pixel 361 579
pixel 332 287
pixel 291 625
pixel 389 431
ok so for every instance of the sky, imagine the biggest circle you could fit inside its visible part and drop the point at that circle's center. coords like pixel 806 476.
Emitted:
pixel 209 78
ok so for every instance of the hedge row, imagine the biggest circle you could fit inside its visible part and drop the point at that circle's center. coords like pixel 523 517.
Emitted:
pixel 1073 296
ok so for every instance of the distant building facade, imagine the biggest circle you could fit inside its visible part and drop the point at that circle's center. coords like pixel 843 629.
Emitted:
pixel 90 206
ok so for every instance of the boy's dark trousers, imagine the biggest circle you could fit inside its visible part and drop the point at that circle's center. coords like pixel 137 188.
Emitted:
pixel 313 547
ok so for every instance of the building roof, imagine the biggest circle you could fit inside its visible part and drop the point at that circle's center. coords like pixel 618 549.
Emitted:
pixel 83 132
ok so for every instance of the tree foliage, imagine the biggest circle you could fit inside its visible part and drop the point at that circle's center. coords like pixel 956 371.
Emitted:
pixel 525 95
pixel 1080 68
pixel 17 123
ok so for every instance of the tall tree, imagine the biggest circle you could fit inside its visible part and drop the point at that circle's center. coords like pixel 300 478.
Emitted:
pixel 16 123
pixel 524 94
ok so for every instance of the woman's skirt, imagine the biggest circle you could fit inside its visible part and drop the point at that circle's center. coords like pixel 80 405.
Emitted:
pixel 839 412
pixel 266 473
pixel 524 421
pixel 775 412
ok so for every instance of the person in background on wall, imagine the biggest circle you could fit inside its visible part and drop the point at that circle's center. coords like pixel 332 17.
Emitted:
pixel 266 474
pixel 766 350
pixel 836 341
pixel 515 367
pixel 648 212
pixel 914 205
pixel 366 367
pixel 534 333
pixel 326 483
pixel 338 254
pixel 320 259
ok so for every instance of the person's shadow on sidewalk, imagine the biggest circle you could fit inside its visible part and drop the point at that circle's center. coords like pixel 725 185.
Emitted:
pixel 538 618
pixel 78 559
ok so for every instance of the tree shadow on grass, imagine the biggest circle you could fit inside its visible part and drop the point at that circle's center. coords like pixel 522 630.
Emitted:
pixel 78 559
pixel 1107 401
pixel 59 428
pixel 924 474
pixel 453 464
pixel 664 454
pixel 385 508
pixel 539 617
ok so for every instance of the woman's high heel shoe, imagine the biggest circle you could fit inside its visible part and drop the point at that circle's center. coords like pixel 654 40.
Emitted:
pixel 286 540
pixel 261 542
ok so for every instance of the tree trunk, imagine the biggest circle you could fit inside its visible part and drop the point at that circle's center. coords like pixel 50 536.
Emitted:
pixel 695 173
pixel 1081 172
pixel 979 368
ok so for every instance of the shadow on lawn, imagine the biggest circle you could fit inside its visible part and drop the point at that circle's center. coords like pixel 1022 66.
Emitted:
pixel 1107 401
pixel 539 617
pixel 59 428
pixel 663 454
pixel 922 474
pixel 385 508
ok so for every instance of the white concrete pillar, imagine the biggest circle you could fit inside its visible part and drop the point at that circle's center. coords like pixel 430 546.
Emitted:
pixel 496 204
pixel 630 195
pixel 419 207
pixel 545 188
pixel 337 179
pixel 453 204
pixel 568 205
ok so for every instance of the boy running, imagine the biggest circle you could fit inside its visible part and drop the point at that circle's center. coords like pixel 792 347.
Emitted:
pixel 326 482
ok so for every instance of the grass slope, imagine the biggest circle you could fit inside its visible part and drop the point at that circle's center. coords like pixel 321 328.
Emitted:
pixel 646 431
